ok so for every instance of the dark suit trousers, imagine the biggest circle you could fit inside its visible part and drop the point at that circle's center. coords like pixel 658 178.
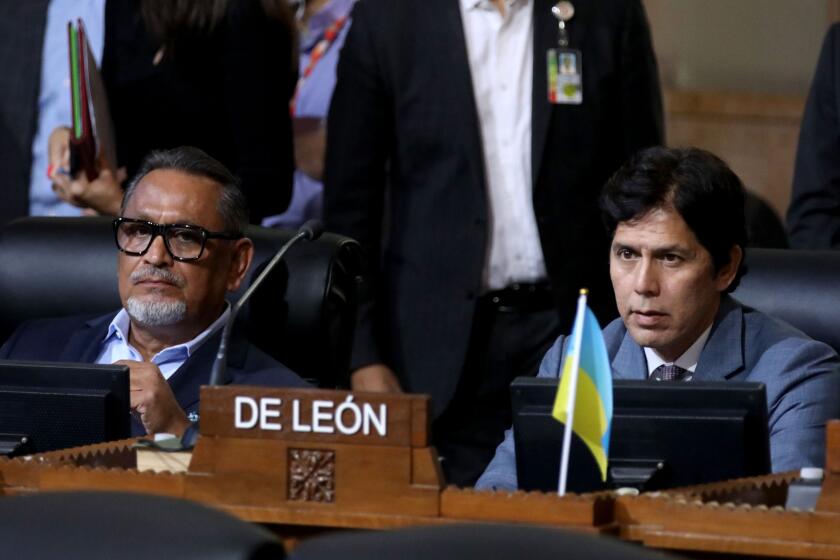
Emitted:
pixel 503 345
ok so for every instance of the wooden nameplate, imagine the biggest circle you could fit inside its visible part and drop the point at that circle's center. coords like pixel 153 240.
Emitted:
pixel 315 450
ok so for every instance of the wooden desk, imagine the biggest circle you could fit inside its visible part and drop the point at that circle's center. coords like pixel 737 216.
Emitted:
pixel 742 517
pixel 302 475
pixel 391 483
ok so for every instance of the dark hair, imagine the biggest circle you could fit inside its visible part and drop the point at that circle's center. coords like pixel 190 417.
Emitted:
pixel 173 21
pixel 232 205
pixel 697 184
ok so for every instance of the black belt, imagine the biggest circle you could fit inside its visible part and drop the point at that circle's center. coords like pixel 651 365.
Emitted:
pixel 518 298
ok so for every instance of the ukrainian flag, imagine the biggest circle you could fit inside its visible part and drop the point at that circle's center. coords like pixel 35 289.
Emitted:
pixel 593 406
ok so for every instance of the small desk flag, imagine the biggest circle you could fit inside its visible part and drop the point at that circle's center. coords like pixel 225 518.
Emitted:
pixel 584 401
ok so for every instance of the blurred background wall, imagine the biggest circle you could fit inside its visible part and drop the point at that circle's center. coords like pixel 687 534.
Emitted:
pixel 735 75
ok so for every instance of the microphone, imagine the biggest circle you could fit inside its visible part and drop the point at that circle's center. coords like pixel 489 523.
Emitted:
pixel 310 231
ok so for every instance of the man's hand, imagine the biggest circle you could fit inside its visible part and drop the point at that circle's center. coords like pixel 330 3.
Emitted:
pixel 102 195
pixel 376 378
pixel 153 401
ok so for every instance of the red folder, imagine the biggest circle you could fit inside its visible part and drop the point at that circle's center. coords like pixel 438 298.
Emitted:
pixel 91 140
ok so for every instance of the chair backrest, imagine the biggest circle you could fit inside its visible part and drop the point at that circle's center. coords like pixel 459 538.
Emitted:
pixel 497 541
pixel 799 287
pixel 303 316
pixel 124 525
pixel 764 226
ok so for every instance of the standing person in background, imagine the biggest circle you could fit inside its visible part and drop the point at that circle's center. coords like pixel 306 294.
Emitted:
pixel 35 97
pixel 491 224
pixel 813 217
pixel 210 74
pixel 322 25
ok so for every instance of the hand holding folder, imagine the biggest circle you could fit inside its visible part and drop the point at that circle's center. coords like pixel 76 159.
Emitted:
pixel 103 195
pixel 83 157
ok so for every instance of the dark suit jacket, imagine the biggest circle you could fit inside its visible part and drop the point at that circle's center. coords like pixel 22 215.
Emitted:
pixel 813 216
pixel 404 100
pixel 22 29
pixel 226 93
pixel 79 339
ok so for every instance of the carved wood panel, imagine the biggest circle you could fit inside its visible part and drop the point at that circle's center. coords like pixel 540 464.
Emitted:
pixel 311 475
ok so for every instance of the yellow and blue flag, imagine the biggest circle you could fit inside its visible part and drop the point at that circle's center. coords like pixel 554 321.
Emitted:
pixel 593 405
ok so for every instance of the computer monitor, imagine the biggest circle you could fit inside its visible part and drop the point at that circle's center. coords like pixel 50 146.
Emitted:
pixel 663 435
pixel 48 405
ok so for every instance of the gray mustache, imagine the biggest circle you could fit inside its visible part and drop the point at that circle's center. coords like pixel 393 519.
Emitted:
pixel 149 272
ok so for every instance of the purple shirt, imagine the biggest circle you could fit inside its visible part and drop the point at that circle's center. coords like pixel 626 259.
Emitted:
pixel 313 100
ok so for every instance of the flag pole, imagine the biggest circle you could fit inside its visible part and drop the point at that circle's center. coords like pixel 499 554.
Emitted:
pixel 570 405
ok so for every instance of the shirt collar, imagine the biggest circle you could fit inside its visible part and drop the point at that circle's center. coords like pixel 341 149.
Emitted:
pixel 121 323
pixel 467 5
pixel 687 361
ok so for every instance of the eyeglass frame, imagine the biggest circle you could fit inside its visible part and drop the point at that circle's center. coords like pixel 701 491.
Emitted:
pixel 160 230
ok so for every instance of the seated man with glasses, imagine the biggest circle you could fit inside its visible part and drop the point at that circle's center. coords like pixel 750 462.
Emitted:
pixel 182 248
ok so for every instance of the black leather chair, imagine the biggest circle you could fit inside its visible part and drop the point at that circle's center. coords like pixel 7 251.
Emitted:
pixel 497 541
pixel 799 287
pixel 303 316
pixel 764 226
pixel 94 525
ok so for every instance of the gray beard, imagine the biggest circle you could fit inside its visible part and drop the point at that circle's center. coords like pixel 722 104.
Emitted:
pixel 155 313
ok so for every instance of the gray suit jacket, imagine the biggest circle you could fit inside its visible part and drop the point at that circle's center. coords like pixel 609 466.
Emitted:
pixel 802 377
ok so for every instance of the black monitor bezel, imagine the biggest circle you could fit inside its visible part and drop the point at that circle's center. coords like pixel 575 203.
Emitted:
pixel 532 400
pixel 110 382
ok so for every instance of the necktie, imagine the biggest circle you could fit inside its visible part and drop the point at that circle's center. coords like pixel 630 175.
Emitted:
pixel 671 372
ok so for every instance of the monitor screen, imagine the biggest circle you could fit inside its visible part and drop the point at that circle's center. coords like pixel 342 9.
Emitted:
pixel 48 405
pixel 663 435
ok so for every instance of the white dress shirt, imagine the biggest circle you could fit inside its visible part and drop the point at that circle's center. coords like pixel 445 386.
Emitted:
pixel 687 361
pixel 500 51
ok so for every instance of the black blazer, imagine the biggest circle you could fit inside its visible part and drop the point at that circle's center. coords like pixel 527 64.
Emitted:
pixel 22 29
pixel 226 93
pixel 813 217
pixel 404 103
pixel 79 339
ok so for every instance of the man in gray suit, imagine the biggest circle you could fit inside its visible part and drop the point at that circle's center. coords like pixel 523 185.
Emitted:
pixel 676 220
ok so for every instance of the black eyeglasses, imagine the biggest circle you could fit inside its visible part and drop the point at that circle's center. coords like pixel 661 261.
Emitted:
pixel 184 242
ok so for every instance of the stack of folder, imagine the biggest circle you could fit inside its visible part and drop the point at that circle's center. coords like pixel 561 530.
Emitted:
pixel 91 140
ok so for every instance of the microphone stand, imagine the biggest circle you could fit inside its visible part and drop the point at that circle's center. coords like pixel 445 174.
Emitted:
pixel 310 231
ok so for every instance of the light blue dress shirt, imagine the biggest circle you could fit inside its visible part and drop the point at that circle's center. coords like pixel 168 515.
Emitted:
pixel 313 100
pixel 116 347
pixel 54 94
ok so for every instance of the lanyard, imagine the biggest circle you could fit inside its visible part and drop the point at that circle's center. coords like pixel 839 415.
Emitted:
pixel 330 35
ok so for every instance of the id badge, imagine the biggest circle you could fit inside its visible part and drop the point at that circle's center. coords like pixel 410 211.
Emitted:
pixel 565 86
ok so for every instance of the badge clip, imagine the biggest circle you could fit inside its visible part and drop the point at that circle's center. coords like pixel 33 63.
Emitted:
pixel 564 65
pixel 563 11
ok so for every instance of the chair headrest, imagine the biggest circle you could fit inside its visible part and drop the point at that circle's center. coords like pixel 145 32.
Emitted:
pixel 127 525
pixel 799 287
